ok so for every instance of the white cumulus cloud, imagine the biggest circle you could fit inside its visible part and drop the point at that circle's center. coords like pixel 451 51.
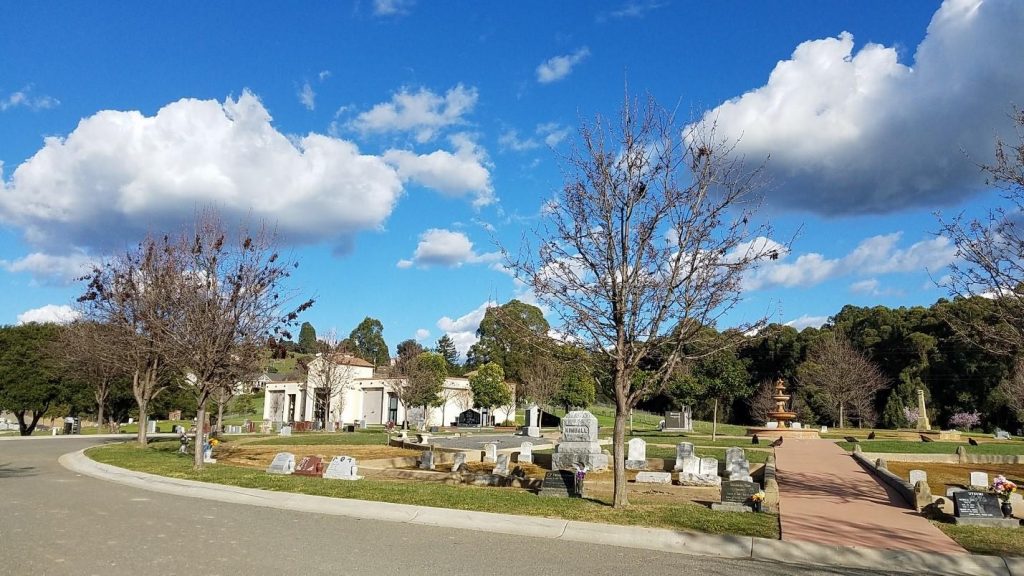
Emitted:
pixel 423 113
pixel 50 267
pixel 49 314
pixel 874 255
pixel 440 247
pixel 454 174
pixel 558 67
pixel 24 98
pixel 118 175
pixel 422 334
pixel 462 330
pixel 307 97
pixel 854 130
pixel 806 321
pixel 549 134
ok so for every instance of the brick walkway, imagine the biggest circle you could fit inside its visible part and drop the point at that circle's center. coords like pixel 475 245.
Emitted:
pixel 826 497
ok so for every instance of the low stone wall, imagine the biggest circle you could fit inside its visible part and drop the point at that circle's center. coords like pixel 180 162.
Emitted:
pixel 771 486
pixel 947 458
pixel 905 490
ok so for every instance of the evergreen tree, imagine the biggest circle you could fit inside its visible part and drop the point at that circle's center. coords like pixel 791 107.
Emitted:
pixel 446 348
pixel 368 340
pixel 307 338
pixel 489 388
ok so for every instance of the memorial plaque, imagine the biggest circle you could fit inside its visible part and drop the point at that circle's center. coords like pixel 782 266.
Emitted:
pixel 673 420
pixel 310 466
pixel 974 504
pixel 739 491
pixel 342 468
pixel 460 461
pixel 559 484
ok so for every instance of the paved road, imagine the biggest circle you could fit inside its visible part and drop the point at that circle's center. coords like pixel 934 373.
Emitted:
pixel 53 521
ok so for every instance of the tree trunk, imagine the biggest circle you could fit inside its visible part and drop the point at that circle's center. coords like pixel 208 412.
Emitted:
pixel 143 421
pixel 619 441
pixel 99 419
pixel 714 422
pixel 220 417
pixel 26 429
pixel 840 415
pixel 197 461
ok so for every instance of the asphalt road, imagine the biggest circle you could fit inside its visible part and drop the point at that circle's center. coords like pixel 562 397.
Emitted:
pixel 53 521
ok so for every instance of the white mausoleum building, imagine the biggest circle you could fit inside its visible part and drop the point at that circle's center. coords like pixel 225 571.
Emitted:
pixel 346 391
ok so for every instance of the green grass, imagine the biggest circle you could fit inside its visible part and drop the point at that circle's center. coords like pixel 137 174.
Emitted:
pixel 360 438
pixel 980 540
pixel 1008 447
pixel 161 458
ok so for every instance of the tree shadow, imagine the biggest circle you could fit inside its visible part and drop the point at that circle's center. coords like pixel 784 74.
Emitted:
pixel 9 470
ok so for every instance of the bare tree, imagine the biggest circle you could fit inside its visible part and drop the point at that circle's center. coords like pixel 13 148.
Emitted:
pixel 331 372
pixel 842 378
pixel 762 403
pixel 131 295
pixel 228 298
pixel 222 396
pixel 990 256
pixel 542 381
pixel 424 382
pixel 1011 388
pixel 90 350
pixel 646 245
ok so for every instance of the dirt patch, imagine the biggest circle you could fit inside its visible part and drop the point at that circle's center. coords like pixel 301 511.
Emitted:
pixel 256 456
pixel 941 475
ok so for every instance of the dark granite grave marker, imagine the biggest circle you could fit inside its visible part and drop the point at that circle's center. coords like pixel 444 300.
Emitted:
pixel 739 491
pixel 310 466
pixel 559 484
pixel 975 504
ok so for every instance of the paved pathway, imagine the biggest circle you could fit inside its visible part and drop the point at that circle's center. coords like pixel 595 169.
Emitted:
pixel 826 497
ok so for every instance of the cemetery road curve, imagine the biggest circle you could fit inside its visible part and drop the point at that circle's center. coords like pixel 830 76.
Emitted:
pixel 53 521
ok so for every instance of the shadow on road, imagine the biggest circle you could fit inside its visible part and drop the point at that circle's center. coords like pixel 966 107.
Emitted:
pixel 9 470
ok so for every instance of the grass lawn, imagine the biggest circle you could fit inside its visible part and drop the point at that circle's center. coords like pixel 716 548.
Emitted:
pixel 161 458
pixel 1004 447
pixel 992 541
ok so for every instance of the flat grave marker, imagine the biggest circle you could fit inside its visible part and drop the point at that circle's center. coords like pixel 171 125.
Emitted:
pixel 310 466
pixel 283 463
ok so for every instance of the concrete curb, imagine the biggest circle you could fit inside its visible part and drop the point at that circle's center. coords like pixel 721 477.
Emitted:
pixel 677 542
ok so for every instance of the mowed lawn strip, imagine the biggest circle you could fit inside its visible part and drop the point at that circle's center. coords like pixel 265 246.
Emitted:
pixel 161 458
pixel 989 541
pixel 1005 447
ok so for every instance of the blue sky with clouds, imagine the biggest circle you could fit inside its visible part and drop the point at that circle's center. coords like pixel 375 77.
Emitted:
pixel 394 142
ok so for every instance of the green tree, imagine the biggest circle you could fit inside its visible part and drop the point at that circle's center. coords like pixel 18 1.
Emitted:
pixel 407 350
pixel 577 388
pixel 307 339
pixel 368 340
pixel 489 387
pixel 30 379
pixel 720 376
pixel 424 382
pixel 446 348
pixel 512 335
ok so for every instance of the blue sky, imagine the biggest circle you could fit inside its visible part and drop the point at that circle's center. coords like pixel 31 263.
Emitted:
pixel 393 142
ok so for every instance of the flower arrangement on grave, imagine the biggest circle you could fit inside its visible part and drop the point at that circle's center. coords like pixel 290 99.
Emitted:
pixel 757 496
pixel 214 442
pixel 1003 488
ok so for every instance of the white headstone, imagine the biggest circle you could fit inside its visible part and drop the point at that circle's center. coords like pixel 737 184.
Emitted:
pixel 427 460
pixel 824 429
pixel 691 466
pixel 709 467
pixel 579 426
pixel 151 427
pixel 918 476
pixel 526 453
pixel 284 463
pixel 772 425
pixel 654 477
pixel 733 454
pixel 797 426
pixel 490 452
pixel 502 465
pixel 460 461
pixel 637 449
pixel 979 479
pixel 286 431
pixel 342 468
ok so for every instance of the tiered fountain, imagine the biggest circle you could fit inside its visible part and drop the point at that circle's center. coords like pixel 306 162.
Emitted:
pixel 780 419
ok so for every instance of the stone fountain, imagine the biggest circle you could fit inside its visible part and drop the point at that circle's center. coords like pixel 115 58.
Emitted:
pixel 780 419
